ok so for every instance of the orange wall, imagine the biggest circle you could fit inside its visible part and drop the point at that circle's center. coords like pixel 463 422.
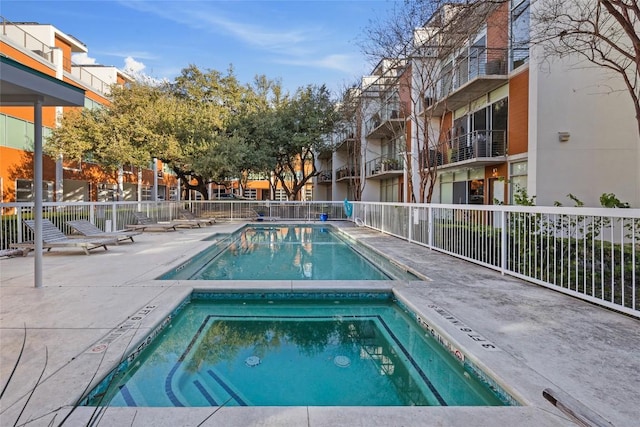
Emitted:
pixel 518 113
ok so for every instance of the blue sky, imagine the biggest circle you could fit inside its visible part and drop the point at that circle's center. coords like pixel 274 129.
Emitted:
pixel 301 42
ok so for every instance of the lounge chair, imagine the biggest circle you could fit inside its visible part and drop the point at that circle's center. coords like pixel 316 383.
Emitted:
pixel 52 237
pixel 191 218
pixel 144 223
pixel 87 229
pixel 260 216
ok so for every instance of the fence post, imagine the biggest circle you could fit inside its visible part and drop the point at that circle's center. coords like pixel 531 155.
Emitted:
pixel 430 226
pixel 19 224
pixel 114 216
pixel 503 242
pixel 410 231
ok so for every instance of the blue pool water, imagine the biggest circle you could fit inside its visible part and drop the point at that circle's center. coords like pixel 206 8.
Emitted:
pixel 287 252
pixel 258 350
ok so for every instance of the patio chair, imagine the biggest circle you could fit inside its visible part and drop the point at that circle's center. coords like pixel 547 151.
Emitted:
pixel 191 218
pixel 87 229
pixel 53 237
pixel 144 223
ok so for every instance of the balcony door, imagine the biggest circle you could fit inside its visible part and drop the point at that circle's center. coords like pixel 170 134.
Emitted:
pixel 479 125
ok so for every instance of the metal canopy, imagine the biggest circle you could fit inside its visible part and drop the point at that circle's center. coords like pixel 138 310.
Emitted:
pixel 26 87
pixel 21 86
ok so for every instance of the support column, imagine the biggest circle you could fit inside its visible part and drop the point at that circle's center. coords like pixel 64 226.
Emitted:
pixel 38 193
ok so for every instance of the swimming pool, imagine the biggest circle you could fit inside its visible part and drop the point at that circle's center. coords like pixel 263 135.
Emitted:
pixel 294 349
pixel 287 252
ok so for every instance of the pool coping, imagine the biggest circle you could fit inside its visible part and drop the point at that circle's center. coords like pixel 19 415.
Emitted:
pixel 505 393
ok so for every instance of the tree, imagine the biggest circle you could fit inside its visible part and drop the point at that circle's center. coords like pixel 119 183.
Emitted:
pixel 605 33
pixel 204 106
pixel 303 122
pixel 112 137
pixel 287 133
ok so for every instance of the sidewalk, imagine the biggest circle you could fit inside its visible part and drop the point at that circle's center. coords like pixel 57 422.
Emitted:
pixel 542 339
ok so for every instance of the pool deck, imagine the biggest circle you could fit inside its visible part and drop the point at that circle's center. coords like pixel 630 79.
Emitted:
pixel 93 309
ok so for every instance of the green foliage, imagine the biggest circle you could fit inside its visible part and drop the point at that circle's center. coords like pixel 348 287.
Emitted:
pixel 522 198
pixel 609 200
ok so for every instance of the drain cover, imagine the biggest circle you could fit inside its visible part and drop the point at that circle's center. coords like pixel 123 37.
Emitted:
pixel 252 361
pixel 342 361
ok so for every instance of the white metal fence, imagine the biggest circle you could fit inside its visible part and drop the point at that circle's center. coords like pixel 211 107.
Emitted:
pixel 590 253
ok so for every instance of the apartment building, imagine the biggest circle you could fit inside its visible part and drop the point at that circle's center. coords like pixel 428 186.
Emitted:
pixel 48 50
pixel 477 116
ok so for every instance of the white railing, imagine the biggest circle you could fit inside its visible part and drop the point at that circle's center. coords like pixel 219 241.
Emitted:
pixel 589 253
pixel 117 215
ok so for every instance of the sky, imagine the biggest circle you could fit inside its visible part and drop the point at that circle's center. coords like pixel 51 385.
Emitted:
pixel 299 42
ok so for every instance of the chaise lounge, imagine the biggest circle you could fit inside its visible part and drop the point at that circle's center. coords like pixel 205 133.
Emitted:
pixel 190 218
pixel 52 237
pixel 87 229
pixel 144 223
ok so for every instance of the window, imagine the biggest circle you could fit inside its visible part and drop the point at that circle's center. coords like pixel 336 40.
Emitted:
pixel 24 190
pixel 173 192
pixel 107 192
pixel 251 193
pixel 308 193
pixel 146 192
pixel 519 32
pixel 517 179
pixel 16 133
pixel 390 190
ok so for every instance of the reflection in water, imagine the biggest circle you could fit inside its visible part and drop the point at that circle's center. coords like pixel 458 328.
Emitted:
pixel 226 342
pixel 289 253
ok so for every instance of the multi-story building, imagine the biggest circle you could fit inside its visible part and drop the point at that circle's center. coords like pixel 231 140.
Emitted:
pixel 486 115
pixel 48 50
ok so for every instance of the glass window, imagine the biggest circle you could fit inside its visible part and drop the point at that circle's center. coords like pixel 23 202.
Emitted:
pixel 146 192
pixel 517 179
pixel 389 190
pixel 446 192
pixel 519 32
pixel 251 193
pixel 17 134
pixel 24 190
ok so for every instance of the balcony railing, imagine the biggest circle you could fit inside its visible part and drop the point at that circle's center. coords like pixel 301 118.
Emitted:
pixel 468 77
pixel 384 167
pixel 347 171
pixel 25 40
pixel 324 177
pixel 28 42
pixel 480 146
pixel 386 121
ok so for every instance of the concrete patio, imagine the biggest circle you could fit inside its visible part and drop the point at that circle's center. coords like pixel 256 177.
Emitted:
pixel 79 325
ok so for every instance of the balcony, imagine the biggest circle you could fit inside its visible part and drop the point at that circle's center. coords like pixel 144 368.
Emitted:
pixel 324 177
pixel 385 167
pixel 387 122
pixel 468 78
pixel 347 172
pixel 344 138
pixel 477 148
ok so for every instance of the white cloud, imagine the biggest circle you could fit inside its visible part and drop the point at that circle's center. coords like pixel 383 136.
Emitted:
pixel 83 59
pixel 132 66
